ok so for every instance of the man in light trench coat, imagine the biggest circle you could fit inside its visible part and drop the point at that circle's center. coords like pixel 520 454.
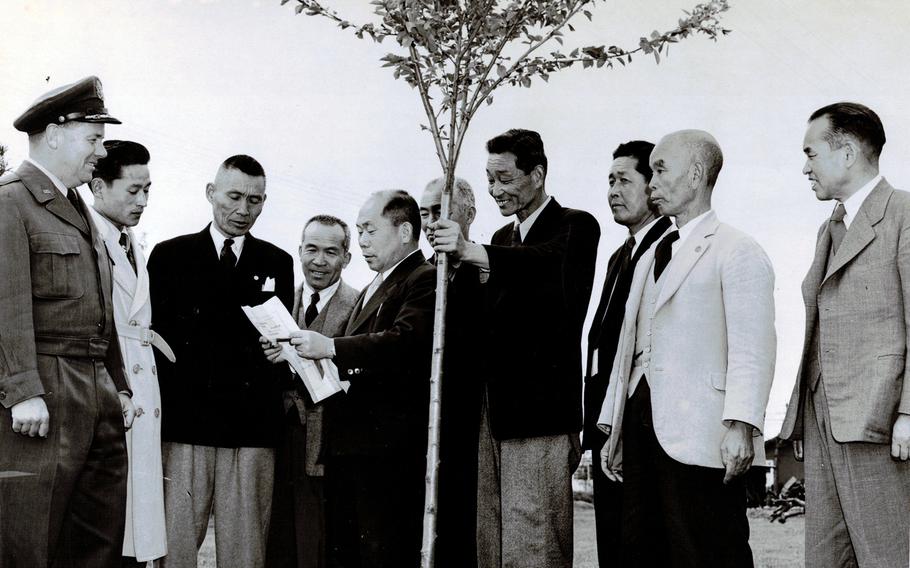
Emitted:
pixel 121 186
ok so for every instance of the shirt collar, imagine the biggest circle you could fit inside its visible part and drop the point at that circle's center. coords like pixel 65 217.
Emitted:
pixel 324 295
pixel 642 232
pixel 524 227
pixel 54 179
pixel 387 272
pixel 855 201
pixel 219 239
pixel 106 225
pixel 687 229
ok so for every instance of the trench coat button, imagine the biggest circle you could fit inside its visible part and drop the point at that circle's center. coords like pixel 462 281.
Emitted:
pixel 157 412
pixel 2 395
pixel 136 368
pixel 134 323
pixel 350 371
pixel 154 370
pixel 356 371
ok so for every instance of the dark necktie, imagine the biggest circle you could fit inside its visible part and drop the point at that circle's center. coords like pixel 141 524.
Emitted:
pixel 73 197
pixel 663 253
pixel 227 258
pixel 125 245
pixel 837 227
pixel 311 311
pixel 617 288
pixel 516 236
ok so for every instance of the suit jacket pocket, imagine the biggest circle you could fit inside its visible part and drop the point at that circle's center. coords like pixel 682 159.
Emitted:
pixel 719 381
pixel 54 266
pixel 884 393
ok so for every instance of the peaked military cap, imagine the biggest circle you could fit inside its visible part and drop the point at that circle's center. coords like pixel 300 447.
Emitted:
pixel 81 101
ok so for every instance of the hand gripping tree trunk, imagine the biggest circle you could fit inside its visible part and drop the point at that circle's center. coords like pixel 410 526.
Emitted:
pixel 456 53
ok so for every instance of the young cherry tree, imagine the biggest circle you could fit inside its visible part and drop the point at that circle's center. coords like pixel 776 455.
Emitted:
pixel 456 53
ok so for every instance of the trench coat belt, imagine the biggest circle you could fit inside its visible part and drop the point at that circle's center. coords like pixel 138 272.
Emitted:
pixel 146 337
pixel 88 347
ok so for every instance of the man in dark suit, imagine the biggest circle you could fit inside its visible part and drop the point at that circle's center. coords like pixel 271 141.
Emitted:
pixel 62 493
pixel 541 269
pixel 323 303
pixel 222 399
pixel 377 431
pixel 456 523
pixel 628 196
pixel 851 402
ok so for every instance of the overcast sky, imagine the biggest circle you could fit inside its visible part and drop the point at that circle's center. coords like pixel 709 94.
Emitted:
pixel 199 80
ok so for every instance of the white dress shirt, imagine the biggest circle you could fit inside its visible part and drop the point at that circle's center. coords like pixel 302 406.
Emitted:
pixel 641 233
pixel 524 227
pixel 324 296
pixel 219 239
pixel 855 201
pixel 687 229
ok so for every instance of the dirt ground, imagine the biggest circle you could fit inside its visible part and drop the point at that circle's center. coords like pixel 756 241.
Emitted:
pixel 774 545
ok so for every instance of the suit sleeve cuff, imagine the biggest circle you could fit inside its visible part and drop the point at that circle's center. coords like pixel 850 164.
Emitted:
pixel 21 386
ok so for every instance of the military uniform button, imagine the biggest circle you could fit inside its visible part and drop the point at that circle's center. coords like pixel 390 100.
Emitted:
pixel 350 371
pixel 157 412
pixel 136 368
pixel 139 412
pixel 134 323
pixel 2 395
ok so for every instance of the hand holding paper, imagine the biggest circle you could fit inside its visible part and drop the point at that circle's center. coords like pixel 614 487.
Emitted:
pixel 320 377
pixel 312 345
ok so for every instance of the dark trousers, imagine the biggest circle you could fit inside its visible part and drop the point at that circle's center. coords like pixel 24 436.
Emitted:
pixel 71 510
pixel 374 511
pixel 674 514
pixel 297 528
pixel 607 513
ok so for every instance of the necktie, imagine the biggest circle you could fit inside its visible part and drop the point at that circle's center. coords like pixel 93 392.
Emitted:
pixel 311 311
pixel 663 253
pixel 227 257
pixel 516 236
pixel 125 245
pixel 837 227
pixel 73 197
pixel 374 285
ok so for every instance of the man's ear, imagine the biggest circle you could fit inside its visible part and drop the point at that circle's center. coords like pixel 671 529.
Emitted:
pixel 97 187
pixel 52 133
pixel 696 173
pixel 209 190
pixel 406 232
pixel 469 215
pixel 537 176
pixel 347 259
pixel 851 153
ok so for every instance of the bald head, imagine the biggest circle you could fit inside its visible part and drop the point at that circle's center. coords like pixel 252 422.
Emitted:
pixel 685 164
pixel 462 207
pixel 703 150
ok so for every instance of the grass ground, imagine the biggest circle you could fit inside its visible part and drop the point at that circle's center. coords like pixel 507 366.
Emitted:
pixel 774 545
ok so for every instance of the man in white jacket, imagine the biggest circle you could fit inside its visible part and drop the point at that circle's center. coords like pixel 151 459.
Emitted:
pixel 121 186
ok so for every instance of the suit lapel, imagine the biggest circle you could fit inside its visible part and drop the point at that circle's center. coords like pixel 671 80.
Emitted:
pixel 141 296
pixel 541 225
pixel 388 286
pixel 816 272
pixel 685 258
pixel 861 232
pixel 46 193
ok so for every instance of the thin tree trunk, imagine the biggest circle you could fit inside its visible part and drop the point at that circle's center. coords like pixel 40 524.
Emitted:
pixel 428 548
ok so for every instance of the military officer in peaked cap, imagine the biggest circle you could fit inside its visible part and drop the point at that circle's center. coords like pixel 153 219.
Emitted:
pixel 64 400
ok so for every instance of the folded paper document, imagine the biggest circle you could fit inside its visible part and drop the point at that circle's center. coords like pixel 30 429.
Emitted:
pixel 320 377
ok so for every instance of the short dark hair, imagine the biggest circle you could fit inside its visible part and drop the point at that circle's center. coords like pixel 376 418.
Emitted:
pixel 857 121
pixel 640 150
pixel 330 220
pixel 120 153
pixel 526 145
pixel 400 208
pixel 244 164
